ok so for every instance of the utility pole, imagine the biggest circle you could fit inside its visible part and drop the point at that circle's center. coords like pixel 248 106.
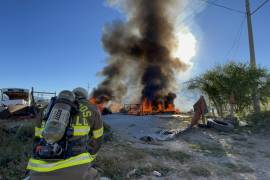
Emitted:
pixel 88 87
pixel 256 102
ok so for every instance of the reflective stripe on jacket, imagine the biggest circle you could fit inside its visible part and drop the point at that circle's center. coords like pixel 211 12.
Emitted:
pixel 45 166
pixel 98 133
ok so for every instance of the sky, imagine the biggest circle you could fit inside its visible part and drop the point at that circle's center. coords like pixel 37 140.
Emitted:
pixel 54 45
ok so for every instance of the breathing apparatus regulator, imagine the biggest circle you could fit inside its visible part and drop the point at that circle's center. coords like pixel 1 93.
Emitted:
pixel 57 129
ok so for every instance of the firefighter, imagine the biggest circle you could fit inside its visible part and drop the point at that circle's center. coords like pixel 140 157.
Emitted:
pixel 82 146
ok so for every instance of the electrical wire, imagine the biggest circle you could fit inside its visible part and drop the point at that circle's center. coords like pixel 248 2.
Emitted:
pixel 194 14
pixel 259 7
pixel 224 7
pixel 239 38
pixel 236 42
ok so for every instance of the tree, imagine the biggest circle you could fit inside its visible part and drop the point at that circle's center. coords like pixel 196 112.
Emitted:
pixel 209 84
pixel 232 81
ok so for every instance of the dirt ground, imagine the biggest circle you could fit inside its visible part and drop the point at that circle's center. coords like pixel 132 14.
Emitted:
pixel 198 154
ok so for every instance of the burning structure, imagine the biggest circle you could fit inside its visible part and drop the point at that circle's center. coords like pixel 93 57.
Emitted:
pixel 140 65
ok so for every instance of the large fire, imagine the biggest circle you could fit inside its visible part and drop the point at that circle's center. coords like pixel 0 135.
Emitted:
pixel 147 107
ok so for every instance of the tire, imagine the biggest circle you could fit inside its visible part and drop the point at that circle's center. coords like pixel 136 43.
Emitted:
pixel 220 125
pixel 203 126
pixel 233 120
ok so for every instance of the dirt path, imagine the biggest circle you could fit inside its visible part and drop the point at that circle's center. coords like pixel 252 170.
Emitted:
pixel 199 154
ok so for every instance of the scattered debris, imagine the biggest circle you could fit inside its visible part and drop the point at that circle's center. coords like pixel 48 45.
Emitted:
pixel 243 123
pixel 105 178
pixel 156 173
pixel 129 143
pixel 167 135
pixel 220 125
pixel 147 139
pixel 4 112
pixel 131 173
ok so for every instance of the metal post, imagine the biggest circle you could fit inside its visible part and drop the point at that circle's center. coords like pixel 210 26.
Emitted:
pixel 256 102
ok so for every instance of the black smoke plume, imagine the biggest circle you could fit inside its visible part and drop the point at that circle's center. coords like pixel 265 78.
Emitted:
pixel 139 52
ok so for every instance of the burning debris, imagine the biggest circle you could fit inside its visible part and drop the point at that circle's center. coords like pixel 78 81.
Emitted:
pixel 161 105
pixel 140 55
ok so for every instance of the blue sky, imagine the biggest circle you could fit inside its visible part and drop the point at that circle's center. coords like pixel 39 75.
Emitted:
pixel 54 45
pixel 223 35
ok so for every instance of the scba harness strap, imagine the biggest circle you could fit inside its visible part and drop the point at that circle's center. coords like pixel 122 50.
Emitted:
pixel 74 105
pixel 77 131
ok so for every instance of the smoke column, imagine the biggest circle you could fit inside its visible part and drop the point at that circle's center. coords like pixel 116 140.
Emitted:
pixel 140 52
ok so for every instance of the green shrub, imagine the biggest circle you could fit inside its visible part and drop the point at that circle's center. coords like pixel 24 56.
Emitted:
pixel 259 121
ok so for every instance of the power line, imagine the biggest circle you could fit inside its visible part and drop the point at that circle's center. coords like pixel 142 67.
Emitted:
pixel 239 38
pixel 259 7
pixel 194 14
pixel 224 7
pixel 236 41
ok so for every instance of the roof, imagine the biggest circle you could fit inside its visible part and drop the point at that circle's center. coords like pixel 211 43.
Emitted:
pixel 15 90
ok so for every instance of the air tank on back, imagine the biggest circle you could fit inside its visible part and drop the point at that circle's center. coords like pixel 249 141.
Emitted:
pixel 58 120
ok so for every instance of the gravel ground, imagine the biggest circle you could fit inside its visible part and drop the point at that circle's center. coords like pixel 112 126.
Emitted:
pixel 214 155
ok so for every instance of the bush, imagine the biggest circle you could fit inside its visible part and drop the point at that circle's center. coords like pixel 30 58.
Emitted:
pixel 259 121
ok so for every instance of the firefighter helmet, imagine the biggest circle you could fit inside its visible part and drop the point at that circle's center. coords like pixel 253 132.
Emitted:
pixel 80 92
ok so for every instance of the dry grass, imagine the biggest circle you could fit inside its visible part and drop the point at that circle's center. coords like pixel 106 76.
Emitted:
pixel 173 155
pixel 148 170
pixel 117 161
pixel 214 150
pixel 200 171
pixel 118 168
pixel 240 168
pixel 267 155
pixel 113 168
pixel 15 150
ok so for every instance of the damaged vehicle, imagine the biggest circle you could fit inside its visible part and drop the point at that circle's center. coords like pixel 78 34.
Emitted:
pixel 16 102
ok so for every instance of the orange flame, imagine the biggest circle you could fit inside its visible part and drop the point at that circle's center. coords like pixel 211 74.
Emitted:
pixel 99 106
pixel 160 107
pixel 146 107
